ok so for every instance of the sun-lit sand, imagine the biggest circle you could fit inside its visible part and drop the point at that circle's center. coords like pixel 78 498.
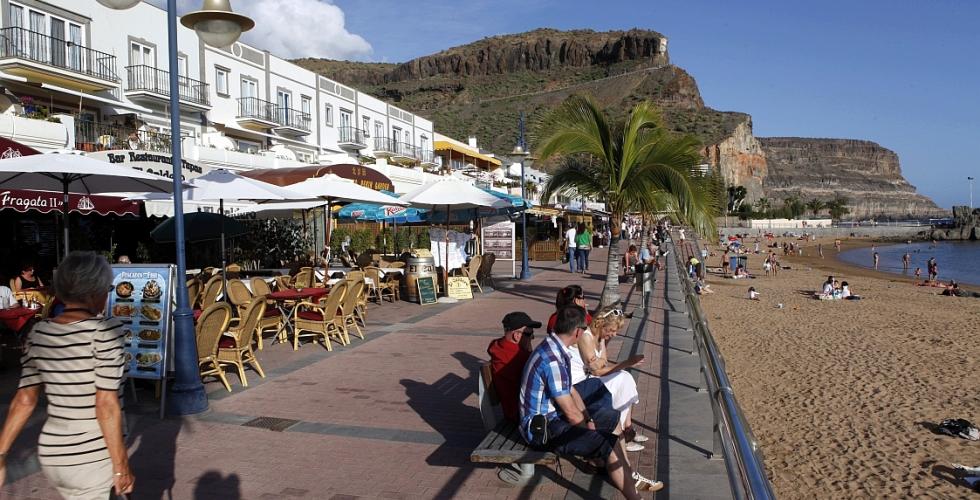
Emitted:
pixel 841 393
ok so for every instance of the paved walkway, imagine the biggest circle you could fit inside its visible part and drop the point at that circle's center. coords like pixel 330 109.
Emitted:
pixel 396 415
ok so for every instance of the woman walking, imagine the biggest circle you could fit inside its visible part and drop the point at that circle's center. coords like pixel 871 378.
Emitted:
pixel 583 245
pixel 78 359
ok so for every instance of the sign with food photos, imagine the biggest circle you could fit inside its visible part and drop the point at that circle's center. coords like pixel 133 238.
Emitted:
pixel 141 299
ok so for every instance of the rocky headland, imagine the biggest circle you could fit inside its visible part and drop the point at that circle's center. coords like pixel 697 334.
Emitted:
pixel 480 89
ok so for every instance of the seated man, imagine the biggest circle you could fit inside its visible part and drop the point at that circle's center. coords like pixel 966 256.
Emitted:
pixel 7 299
pixel 508 356
pixel 553 415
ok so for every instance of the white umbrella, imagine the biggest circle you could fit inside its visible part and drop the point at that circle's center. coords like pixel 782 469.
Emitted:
pixel 451 193
pixel 76 173
pixel 333 188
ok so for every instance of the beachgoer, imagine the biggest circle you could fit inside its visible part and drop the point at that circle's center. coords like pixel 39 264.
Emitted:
pixel 876 258
pixel 906 261
pixel 753 295
pixel 508 355
pixel 725 263
pixel 845 292
pixel 78 359
pixel 701 288
pixel 828 287
pixel 570 245
pixel 620 384
pixel 837 245
pixel 917 273
pixel 820 249
pixel 551 406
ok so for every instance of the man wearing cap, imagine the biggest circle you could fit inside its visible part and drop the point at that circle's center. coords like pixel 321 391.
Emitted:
pixel 508 355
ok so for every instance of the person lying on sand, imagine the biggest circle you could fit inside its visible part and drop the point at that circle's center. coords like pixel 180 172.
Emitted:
pixel 954 290
pixel 702 288
pixel 740 272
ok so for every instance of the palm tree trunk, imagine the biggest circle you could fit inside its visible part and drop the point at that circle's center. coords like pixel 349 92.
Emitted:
pixel 610 292
pixel 644 228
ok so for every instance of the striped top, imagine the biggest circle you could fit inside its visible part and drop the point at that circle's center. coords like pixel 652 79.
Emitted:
pixel 72 361
pixel 546 377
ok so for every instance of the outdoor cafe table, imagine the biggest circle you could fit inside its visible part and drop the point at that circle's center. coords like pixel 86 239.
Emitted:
pixel 16 318
pixel 283 299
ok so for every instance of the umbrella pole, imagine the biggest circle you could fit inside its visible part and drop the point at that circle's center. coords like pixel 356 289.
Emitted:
pixel 445 270
pixel 328 233
pixel 224 259
pixel 64 214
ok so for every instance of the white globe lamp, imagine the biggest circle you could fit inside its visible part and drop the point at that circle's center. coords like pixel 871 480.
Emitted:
pixel 216 24
pixel 119 4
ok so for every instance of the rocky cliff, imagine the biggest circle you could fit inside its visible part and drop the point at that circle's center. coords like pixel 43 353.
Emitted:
pixel 868 175
pixel 966 225
pixel 480 89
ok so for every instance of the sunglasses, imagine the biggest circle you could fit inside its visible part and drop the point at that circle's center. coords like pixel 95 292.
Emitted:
pixel 614 312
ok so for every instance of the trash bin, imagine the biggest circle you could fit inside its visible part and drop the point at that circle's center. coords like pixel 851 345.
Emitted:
pixel 644 276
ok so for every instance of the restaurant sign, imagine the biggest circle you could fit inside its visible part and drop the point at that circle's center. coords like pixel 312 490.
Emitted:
pixel 150 162
pixel 367 177
pixel 23 200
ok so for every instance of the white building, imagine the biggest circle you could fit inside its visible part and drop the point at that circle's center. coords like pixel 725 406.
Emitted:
pixel 75 74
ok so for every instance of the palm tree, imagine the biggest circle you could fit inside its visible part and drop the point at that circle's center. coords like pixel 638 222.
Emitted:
pixel 630 165
pixel 815 206
pixel 838 207
pixel 763 205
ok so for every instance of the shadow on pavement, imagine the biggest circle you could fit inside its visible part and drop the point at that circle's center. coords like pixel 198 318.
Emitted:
pixel 213 486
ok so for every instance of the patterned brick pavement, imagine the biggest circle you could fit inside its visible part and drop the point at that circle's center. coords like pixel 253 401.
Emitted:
pixel 392 416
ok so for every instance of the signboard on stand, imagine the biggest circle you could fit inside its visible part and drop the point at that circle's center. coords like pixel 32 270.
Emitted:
pixel 498 238
pixel 427 290
pixel 459 287
pixel 141 299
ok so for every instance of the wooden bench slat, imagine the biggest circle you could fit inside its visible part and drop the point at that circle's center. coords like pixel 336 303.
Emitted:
pixel 504 445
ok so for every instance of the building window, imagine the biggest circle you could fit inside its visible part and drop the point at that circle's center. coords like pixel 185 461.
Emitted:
pixel 424 143
pixel 379 129
pixel 328 114
pixel 366 125
pixel 304 104
pixel 141 55
pixel 221 81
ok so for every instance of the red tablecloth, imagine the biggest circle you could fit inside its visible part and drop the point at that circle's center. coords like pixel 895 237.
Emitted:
pixel 15 318
pixel 307 293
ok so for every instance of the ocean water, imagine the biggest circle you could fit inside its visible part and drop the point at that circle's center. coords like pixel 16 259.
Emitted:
pixel 958 260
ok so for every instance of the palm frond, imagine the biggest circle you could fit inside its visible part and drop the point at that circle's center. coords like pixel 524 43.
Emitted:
pixel 576 126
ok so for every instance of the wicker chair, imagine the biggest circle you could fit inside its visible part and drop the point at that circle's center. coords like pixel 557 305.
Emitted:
pixel 350 309
pixel 321 319
pixel 211 290
pixel 472 271
pixel 236 349
pixel 212 323
pixel 193 292
pixel 238 295
pixel 284 282
pixel 272 318
pixel 383 285
pixel 485 275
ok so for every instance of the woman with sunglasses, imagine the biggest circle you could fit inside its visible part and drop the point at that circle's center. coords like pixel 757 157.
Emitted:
pixel 619 383
pixel 570 295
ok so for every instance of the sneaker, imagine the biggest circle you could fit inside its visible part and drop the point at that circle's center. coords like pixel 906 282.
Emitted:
pixel 640 438
pixel 644 484
pixel 632 446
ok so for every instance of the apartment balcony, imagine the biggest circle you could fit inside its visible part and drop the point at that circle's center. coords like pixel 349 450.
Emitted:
pixel 291 121
pixel 351 138
pixel 383 147
pixel 92 136
pixel 427 158
pixel 149 84
pixel 44 59
pixel 404 153
pixel 257 114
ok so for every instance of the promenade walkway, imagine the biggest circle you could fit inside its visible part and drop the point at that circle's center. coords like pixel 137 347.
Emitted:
pixel 396 415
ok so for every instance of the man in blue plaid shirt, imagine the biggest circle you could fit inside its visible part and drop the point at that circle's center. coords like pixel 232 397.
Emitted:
pixel 550 401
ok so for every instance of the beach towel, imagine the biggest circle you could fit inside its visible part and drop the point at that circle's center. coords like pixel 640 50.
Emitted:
pixel 959 427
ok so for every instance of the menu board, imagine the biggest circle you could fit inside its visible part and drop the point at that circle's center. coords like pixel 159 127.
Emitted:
pixel 499 239
pixel 141 298
pixel 459 287
pixel 427 290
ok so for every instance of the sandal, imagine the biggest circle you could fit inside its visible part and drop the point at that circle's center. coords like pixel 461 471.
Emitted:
pixel 644 484
pixel 634 446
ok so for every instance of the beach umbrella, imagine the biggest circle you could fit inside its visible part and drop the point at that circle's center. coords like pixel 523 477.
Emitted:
pixel 199 226
pixel 334 189
pixel 73 172
pixel 450 193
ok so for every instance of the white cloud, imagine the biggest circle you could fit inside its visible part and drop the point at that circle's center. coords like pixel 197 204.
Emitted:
pixel 295 28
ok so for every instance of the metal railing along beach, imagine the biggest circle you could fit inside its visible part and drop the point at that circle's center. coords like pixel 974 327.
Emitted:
pixel 733 438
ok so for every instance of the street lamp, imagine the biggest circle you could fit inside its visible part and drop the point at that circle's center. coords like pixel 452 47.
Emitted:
pixel 521 151
pixel 214 25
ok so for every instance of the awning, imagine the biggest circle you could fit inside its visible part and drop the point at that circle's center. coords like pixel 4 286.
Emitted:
pixel 539 210
pixel 465 151
pixel 103 100
pixel 23 201
pixel 363 175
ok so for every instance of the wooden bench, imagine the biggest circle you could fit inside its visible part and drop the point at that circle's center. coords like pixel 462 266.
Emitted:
pixel 503 443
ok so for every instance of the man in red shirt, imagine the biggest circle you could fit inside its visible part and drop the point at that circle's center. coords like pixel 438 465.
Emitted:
pixel 508 355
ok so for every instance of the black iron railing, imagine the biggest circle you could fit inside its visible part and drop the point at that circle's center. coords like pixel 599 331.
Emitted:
pixel 426 156
pixel 92 136
pixel 23 43
pixel 352 135
pixel 383 144
pixel 253 107
pixel 150 79
pixel 289 117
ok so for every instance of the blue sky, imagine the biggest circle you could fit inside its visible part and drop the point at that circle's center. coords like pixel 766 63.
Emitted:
pixel 900 73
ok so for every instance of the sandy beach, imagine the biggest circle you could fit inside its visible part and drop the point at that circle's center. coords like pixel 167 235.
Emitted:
pixel 841 394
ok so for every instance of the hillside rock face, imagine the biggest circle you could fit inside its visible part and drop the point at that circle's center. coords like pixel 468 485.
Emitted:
pixel 862 171
pixel 740 160
pixel 966 225
pixel 537 50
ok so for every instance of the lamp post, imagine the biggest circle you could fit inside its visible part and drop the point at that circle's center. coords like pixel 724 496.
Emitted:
pixel 218 26
pixel 971 191
pixel 521 151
